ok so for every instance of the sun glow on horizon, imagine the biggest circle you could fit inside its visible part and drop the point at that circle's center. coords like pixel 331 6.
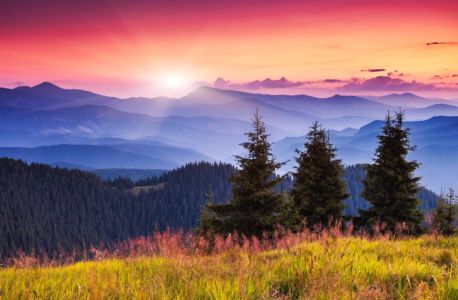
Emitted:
pixel 174 84
pixel 174 80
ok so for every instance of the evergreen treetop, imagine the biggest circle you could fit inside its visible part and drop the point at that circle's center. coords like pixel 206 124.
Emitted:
pixel 318 192
pixel 445 214
pixel 391 185
pixel 255 207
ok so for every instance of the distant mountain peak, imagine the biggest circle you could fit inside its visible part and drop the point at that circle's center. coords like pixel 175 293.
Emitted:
pixel 205 91
pixel 339 96
pixel 46 85
pixel 205 88
pixel 441 105
pixel 401 94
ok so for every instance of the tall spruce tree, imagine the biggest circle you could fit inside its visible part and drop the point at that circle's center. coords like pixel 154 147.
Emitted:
pixel 391 186
pixel 318 192
pixel 208 220
pixel 255 207
pixel 445 214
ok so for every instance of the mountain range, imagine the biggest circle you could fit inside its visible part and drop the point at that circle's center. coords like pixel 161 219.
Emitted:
pixel 127 155
pixel 49 124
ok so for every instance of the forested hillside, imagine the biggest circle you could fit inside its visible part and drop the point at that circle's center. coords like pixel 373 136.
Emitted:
pixel 48 209
pixel 51 209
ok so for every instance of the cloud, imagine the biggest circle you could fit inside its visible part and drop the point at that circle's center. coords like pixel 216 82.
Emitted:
pixel 395 73
pixel 386 83
pixel 374 70
pixel 221 83
pixel 258 84
pixel 332 80
pixel 274 84
pixel 57 131
pixel 441 43
pixel 84 129
pixel 395 81
pixel 444 76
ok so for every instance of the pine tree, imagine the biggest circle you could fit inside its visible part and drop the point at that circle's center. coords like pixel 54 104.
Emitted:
pixel 255 207
pixel 391 186
pixel 445 214
pixel 318 192
pixel 207 218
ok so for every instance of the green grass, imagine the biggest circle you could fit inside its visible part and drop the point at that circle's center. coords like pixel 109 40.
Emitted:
pixel 328 268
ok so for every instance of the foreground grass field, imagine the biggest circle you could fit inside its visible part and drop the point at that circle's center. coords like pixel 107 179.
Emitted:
pixel 326 268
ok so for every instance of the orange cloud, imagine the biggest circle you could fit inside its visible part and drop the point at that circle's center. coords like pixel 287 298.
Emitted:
pixel 441 43
pixel 387 83
pixel 268 83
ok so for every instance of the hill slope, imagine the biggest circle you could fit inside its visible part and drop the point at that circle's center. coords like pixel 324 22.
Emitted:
pixel 47 210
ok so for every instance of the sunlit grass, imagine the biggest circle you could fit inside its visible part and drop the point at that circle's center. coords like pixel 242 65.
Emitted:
pixel 325 268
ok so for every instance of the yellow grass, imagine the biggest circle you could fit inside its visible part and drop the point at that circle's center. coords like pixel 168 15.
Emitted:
pixel 328 268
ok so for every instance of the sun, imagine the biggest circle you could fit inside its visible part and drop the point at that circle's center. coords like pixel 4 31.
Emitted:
pixel 174 81
pixel 174 84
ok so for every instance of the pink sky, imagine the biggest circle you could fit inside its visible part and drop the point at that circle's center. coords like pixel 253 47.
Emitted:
pixel 151 48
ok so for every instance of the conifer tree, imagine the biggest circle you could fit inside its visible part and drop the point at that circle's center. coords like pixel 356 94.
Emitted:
pixel 255 207
pixel 391 186
pixel 207 219
pixel 445 214
pixel 318 192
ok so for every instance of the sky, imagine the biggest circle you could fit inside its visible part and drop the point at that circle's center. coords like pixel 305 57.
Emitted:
pixel 167 48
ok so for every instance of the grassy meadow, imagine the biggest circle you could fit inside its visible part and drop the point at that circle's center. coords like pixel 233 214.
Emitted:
pixel 326 267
